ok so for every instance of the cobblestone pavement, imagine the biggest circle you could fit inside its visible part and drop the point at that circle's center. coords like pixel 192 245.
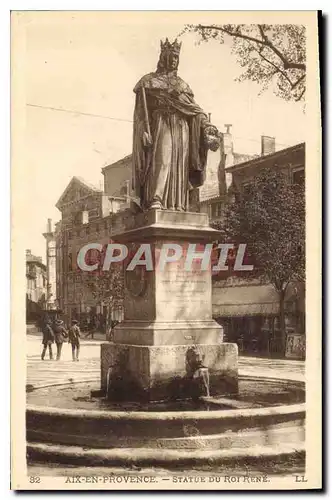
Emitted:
pixel 48 372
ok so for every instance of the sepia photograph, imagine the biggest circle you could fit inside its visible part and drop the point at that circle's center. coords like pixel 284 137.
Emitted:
pixel 166 294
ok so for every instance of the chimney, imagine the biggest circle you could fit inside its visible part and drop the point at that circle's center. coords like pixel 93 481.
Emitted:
pixel 226 159
pixel 228 127
pixel 49 225
pixel 28 252
pixel 268 145
pixel 228 140
pixel 228 151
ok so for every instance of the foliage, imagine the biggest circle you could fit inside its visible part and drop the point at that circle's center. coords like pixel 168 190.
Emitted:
pixel 107 287
pixel 272 55
pixel 269 215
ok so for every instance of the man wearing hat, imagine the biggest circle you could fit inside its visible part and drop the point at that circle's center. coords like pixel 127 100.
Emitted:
pixel 48 339
pixel 60 334
pixel 74 339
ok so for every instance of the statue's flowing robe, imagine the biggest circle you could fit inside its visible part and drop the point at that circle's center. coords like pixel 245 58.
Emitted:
pixel 177 158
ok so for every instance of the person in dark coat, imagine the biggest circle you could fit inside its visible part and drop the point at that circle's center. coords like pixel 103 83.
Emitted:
pixel 60 334
pixel 74 335
pixel 48 339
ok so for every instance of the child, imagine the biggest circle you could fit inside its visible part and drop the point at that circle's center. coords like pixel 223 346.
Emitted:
pixel 48 339
pixel 74 339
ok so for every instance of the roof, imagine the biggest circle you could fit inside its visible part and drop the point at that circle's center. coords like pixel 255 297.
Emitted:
pixel 86 183
pixel 117 163
pixel 211 187
pixel 78 180
pixel 217 197
pixel 241 157
pixel 265 158
pixel 33 259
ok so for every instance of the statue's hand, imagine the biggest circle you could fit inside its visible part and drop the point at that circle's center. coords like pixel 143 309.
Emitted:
pixel 147 140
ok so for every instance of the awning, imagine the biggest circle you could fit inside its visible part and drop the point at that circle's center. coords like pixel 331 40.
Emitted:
pixel 232 310
pixel 244 300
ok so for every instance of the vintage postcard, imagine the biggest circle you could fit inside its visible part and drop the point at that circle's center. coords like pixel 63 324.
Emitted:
pixel 166 229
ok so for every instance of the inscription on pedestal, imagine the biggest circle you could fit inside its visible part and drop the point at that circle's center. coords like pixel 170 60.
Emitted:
pixel 183 294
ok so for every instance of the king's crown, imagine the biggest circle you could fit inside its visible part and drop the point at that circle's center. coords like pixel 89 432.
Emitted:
pixel 172 47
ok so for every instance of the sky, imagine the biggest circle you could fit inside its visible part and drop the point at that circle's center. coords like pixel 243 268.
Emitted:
pixel 89 63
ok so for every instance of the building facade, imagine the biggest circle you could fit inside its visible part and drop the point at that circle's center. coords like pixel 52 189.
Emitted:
pixel 35 287
pixel 117 178
pixel 51 297
pixel 86 217
pixel 248 310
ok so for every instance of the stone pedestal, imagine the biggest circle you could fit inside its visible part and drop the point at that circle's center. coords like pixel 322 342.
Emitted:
pixel 167 315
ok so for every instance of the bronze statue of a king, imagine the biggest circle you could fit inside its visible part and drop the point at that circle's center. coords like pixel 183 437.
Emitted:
pixel 172 135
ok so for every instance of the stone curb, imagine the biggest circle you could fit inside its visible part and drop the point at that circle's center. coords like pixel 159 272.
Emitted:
pixel 296 410
pixel 75 455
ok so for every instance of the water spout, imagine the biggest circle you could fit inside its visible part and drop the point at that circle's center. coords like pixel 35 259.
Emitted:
pixel 203 374
pixel 196 369
pixel 108 380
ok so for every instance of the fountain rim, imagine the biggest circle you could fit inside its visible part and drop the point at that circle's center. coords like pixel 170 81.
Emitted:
pixel 298 408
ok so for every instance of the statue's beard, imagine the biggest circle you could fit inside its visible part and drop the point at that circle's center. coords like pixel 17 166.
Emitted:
pixel 165 67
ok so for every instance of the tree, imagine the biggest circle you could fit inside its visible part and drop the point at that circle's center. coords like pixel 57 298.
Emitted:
pixel 107 287
pixel 269 216
pixel 272 55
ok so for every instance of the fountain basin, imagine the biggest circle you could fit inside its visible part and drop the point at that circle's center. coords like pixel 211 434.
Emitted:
pixel 154 431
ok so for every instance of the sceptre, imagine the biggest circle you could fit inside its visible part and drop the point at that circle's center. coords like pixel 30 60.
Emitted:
pixel 147 133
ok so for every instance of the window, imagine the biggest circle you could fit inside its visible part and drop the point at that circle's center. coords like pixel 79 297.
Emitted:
pixel 298 176
pixel 93 213
pixel 70 262
pixel 216 209
pixel 85 217
pixel 246 187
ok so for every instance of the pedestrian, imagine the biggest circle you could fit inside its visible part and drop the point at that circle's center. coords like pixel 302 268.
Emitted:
pixel 60 334
pixel 48 339
pixel 74 335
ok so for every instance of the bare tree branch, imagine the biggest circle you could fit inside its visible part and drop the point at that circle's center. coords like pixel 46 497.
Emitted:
pixel 279 46
pixel 274 65
pixel 295 84
pixel 287 64
pixel 300 96
pixel 265 42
